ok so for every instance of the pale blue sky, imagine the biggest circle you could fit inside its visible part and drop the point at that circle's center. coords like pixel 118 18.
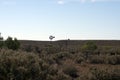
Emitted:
pixel 74 19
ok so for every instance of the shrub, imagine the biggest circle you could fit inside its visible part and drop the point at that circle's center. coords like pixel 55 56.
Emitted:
pixel 58 57
pixel 97 59
pixel 88 48
pixel 28 48
pixel 16 65
pixel 105 73
pixel 71 71
pixel 79 59
pixel 113 59
pixel 105 59
pixel 51 49
pixel 63 76
pixel 62 55
pixel 37 49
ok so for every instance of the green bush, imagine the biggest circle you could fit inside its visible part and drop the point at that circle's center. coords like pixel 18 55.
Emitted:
pixel 88 49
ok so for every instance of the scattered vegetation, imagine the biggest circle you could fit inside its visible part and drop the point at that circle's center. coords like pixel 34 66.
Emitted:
pixel 105 73
pixel 88 61
pixel 70 70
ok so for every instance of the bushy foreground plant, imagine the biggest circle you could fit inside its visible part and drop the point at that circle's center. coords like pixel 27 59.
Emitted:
pixel 24 66
pixel 105 73
pixel 70 70
pixel 105 59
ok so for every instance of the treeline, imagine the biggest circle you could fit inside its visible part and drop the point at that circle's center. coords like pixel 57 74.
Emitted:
pixel 10 43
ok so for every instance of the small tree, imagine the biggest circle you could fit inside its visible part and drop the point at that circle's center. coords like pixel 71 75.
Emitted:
pixel 12 44
pixel 1 44
pixel 1 38
pixel 16 44
pixel 9 43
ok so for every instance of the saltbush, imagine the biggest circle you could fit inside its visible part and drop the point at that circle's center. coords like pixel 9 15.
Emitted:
pixel 16 65
pixel 71 71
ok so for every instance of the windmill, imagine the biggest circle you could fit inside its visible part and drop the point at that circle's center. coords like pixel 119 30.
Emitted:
pixel 51 37
pixel 1 38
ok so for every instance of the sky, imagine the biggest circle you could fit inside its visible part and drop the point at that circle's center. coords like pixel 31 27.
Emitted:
pixel 73 19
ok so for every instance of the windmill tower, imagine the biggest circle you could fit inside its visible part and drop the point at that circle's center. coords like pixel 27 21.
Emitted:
pixel 1 38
